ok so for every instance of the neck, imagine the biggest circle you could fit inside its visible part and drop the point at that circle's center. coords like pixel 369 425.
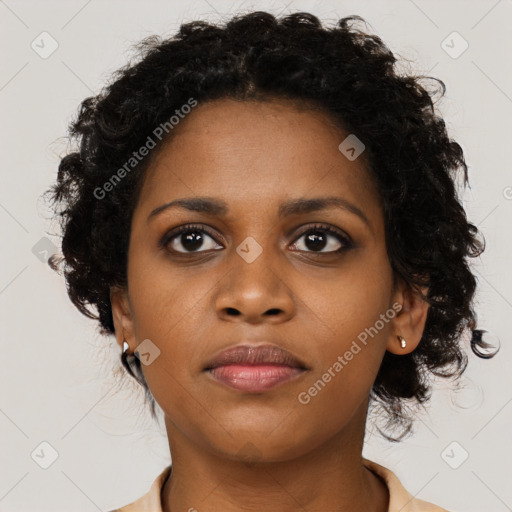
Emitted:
pixel 329 477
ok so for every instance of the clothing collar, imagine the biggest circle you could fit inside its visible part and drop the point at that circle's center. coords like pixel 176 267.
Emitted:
pixel 400 500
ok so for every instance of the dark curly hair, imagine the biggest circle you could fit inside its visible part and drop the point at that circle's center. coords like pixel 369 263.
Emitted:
pixel 342 70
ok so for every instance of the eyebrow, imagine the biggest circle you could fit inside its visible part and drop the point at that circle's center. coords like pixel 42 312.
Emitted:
pixel 298 206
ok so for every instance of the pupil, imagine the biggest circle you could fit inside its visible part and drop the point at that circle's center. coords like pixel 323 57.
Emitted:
pixel 313 242
pixel 191 241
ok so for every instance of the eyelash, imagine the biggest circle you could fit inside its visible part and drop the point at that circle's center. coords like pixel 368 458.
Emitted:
pixel 170 235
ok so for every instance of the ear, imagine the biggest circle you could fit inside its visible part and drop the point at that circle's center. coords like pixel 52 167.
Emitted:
pixel 409 323
pixel 123 317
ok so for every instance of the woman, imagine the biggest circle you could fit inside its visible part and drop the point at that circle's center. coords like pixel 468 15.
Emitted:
pixel 264 215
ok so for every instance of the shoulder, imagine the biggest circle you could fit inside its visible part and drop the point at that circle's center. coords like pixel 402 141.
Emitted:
pixel 400 500
pixel 151 500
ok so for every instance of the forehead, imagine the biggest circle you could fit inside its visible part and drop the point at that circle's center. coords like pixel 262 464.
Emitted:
pixel 256 153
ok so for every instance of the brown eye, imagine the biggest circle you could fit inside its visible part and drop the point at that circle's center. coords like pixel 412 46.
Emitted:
pixel 189 239
pixel 323 239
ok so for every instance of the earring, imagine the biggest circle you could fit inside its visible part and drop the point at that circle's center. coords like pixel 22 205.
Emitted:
pixel 125 346
pixel 402 341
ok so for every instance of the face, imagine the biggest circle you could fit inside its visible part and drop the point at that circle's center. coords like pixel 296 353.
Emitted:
pixel 250 268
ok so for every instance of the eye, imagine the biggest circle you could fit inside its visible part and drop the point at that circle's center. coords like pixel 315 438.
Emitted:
pixel 195 238
pixel 191 237
pixel 321 237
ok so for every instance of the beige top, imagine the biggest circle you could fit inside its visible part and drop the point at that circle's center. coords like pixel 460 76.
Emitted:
pixel 399 499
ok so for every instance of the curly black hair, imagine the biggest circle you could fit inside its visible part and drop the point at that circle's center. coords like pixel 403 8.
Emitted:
pixel 342 70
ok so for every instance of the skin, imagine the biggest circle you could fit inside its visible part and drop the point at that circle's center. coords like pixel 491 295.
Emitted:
pixel 231 450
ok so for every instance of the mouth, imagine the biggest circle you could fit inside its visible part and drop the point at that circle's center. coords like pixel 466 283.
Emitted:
pixel 255 369
pixel 254 378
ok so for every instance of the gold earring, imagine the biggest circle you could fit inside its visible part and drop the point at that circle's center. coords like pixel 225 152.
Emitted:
pixel 402 341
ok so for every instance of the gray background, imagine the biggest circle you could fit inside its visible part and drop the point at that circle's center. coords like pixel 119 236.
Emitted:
pixel 60 382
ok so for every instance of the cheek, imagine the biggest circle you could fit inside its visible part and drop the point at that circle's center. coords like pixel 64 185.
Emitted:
pixel 342 379
pixel 346 306
pixel 163 295
pixel 168 307
pixel 349 322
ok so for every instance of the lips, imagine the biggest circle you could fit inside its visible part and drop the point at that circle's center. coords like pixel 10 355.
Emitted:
pixel 255 355
pixel 254 369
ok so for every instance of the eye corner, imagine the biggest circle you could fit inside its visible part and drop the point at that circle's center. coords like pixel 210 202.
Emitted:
pixel 343 238
pixel 173 233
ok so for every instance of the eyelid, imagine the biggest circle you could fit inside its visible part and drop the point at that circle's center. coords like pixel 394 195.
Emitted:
pixel 328 229
pixel 344 238
pixel 174 232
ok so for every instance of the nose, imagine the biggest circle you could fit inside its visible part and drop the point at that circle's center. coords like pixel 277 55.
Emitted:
pixel 255 292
